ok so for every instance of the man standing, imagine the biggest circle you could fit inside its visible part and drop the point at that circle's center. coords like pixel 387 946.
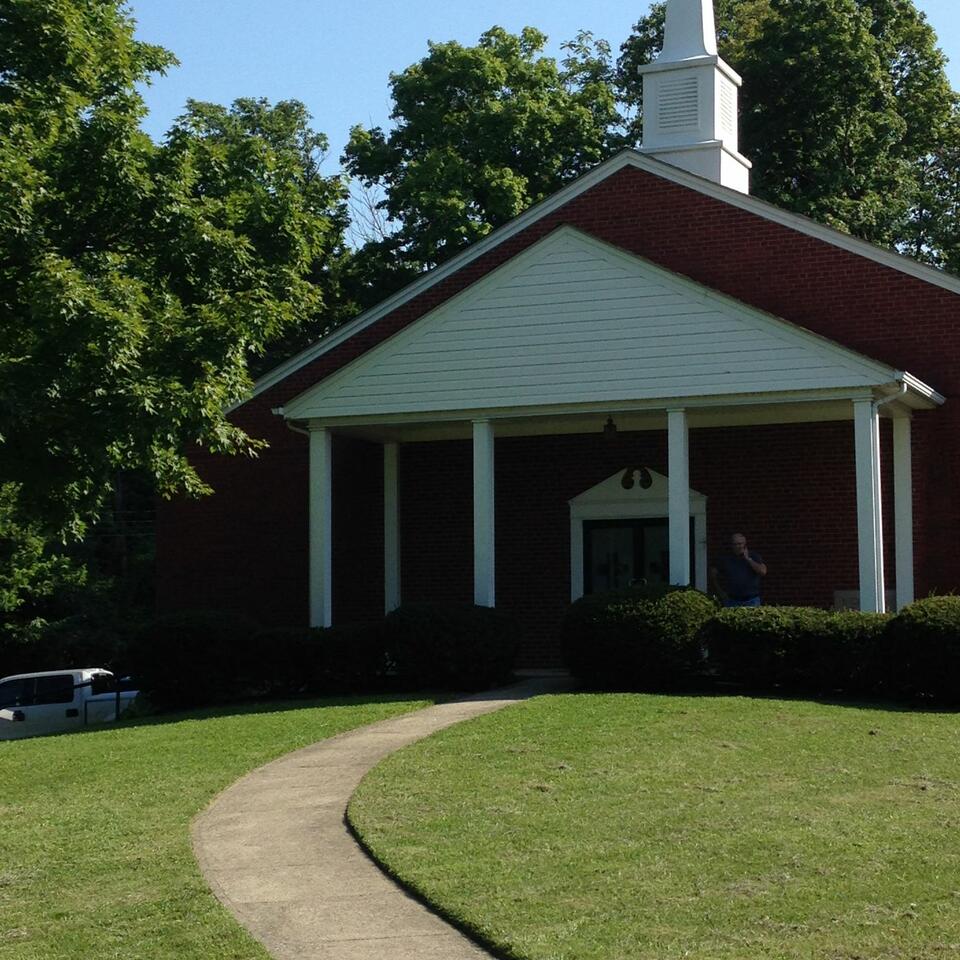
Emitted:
pixel 735 577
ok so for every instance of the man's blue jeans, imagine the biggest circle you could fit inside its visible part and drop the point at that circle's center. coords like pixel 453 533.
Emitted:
pixel 752 602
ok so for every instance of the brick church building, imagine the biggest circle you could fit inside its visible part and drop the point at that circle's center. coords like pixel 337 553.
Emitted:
pixel 600 392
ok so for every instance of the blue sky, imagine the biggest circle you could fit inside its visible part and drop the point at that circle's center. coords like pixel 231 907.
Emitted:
pixel 336 57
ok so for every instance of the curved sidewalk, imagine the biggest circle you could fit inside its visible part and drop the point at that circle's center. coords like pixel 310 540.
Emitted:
pixel 276 850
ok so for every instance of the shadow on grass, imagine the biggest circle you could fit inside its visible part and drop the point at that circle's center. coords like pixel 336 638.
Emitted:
pixel 247 707
pixel 518 689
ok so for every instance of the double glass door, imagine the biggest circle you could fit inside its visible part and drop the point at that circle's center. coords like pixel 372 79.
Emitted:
pixel 621 553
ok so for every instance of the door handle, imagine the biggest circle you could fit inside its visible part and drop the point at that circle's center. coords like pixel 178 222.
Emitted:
pixel 73 712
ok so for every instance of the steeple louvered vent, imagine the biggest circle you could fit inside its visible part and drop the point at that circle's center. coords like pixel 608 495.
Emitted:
pixel 679 105
pixel 690 99
pixel 728 109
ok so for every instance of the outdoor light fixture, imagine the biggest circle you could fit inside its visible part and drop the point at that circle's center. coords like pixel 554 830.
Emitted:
pixel 610 429
pixel 627 481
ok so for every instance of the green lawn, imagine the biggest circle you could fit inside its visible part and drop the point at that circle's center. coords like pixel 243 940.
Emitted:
pixel 582 827
pixel 95 858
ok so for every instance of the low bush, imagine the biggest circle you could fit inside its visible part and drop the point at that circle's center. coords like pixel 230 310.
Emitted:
pixel 802 648
pixel 639 638
pixel 82 640
pixel 342 659
pixel 451 647
pixel 193 658
pixel 287 661
pixel 353 658
pixel 924 646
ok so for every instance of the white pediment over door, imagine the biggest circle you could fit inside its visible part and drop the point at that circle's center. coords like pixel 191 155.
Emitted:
pixel 612 499
pixel 575 320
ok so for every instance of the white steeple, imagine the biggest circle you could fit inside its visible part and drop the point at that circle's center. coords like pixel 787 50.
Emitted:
pixel 690 99
pixel 690 30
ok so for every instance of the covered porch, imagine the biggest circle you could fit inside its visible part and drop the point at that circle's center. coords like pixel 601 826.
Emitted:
pixel 652 437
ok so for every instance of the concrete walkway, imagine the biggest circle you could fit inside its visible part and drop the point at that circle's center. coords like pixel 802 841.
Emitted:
pixel 276 851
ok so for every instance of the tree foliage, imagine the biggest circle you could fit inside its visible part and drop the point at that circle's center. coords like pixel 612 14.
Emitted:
pixel 135 279
pixel 481 133
pixel 846 112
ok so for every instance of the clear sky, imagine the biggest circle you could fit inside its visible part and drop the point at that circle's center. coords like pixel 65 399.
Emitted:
pixel 336 56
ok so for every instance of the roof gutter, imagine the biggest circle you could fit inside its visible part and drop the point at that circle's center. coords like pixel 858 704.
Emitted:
pixel 291 425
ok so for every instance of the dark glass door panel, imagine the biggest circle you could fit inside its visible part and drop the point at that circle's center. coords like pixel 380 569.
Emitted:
pixel 620 553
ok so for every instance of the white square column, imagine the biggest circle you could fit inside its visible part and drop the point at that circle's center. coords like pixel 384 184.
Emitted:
pixel 678 495
pixel 903 509
pixel 391 527
pixel 484 593
pixel 866 429
pixel 320 493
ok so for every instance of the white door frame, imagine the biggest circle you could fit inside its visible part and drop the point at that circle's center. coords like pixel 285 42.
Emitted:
pixel 608 500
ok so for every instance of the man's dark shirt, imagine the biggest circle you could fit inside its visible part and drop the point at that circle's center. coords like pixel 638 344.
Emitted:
pixel 737 576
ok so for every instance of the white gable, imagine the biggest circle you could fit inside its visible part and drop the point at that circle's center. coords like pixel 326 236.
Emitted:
pixel 574 320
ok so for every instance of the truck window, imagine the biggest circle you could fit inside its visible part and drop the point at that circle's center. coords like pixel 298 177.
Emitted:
pixel 57 689
pixel 103 683
pixel 13 693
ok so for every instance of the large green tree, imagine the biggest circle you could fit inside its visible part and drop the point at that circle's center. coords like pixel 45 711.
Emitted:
pixel 136 280
pixel 480 133
pixel 846 112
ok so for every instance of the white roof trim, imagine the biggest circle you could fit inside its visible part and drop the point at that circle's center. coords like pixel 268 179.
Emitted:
pixel 626 158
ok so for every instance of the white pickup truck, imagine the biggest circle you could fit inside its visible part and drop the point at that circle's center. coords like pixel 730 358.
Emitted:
pixel 59 701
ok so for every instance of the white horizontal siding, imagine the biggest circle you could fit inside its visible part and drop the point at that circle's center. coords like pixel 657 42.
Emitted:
pixel 575 321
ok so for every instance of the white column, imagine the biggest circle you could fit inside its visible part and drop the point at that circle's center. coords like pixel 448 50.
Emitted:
pixel 483 515
pixel 320 492
pixel 866 427
pixel 391 527
pixel 903 509
pixel 678 495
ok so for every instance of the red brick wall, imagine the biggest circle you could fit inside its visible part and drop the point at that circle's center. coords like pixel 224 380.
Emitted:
pixel 245 547
pixel 790 488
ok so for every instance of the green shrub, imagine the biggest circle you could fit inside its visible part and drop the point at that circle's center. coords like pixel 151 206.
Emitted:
pixel 638 638
pixel 801 648
pixel 452 647
pixel 82 640
pixel 925 648
pixel 300 660
pixel 353 658
pixel 287 663
pixel 195 658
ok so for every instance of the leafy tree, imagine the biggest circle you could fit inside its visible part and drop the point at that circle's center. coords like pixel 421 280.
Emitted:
pixel 480 134
pixel 846 111
pixel 136 280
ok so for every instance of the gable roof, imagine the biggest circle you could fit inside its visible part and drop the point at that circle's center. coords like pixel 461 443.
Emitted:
pixel 625 159
pixel 573 320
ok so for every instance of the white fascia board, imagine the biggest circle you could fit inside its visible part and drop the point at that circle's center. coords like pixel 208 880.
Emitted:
pixel 600 407
pixel 625 158
pixel 784 330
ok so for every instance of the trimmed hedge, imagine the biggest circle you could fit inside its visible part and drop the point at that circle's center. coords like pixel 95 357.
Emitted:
pixel 802 648
pixel 924 644
pixel 194 658
pixel 451 647
pixel 190 659
pixel 353 658
pixel 84 640
pixel 645 637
